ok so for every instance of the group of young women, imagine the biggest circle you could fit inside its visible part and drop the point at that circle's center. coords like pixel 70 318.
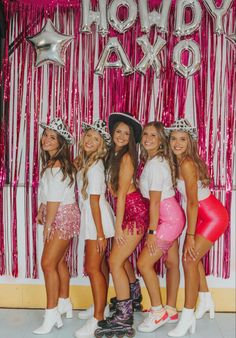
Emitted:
pixel 144 208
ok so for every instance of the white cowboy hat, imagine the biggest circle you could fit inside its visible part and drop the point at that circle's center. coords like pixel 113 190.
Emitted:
pixel 182 125
pixel 100 127
pixel 58 126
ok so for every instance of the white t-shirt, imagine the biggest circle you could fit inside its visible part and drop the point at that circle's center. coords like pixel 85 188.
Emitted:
pixel 96 186
pixel 54 189
pixel 156 176
pixel 203 192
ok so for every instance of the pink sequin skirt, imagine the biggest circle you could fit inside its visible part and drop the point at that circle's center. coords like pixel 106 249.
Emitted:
pixel 66 222
pixel 136 216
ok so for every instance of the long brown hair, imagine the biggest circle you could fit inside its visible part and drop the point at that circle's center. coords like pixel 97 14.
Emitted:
pixel 192 153
pixel 162 151
pixel 62 155
pixel 114 158
pixel 83 161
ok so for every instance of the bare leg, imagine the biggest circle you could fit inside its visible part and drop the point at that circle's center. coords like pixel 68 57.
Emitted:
pixel 93 266
pixel 146 267
pixel 105 270
pixel 118 257
pixel 64 277
pixel 172 274
pixel 53 252
pixel 203 287
pixel 191 272
pixel 130 271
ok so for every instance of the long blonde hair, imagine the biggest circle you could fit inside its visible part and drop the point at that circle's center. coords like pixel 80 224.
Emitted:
pixel 83 162
pixel 192 153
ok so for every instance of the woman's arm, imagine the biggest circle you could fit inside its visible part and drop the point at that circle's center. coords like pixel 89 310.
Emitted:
pixel 96 212
pixel 39 215
pixel 154 209
pixel 188 172
pixel 125 177
pixel 51 211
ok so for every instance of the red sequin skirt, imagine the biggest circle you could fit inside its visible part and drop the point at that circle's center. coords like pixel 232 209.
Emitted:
pixel 136 215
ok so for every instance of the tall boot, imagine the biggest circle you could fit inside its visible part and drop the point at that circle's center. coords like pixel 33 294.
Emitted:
pixel 65 307
pixel 186 323
pixel 205 304
pixel 120 323
pixel 52 317
pixel 136 295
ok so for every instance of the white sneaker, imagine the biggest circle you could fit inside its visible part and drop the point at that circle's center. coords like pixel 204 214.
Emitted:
pixel 90 312
pixel 87 314
pixel 87 330
pixel 172 313
pixel 154 320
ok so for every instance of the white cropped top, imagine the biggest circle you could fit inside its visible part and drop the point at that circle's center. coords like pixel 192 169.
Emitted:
pixel 203 192
pixel 156 176
pixel 54 189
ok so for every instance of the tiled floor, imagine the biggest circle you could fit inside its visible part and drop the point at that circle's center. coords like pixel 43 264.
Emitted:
pixel 17 323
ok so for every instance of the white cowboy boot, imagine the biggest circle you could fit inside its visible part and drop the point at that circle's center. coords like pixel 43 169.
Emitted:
pixel 205 304
pixel 51 317
pixel 65 307
pixel 186 323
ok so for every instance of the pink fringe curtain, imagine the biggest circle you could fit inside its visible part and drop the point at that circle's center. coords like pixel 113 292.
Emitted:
pixel 76 93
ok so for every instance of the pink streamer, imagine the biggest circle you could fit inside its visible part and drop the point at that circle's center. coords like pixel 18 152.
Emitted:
pixel 71 95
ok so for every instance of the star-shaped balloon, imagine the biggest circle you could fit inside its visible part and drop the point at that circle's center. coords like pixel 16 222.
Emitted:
pixel 50 45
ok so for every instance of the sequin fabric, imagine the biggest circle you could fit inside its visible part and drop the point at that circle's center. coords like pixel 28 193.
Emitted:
pixel 136 216
pixel 66 222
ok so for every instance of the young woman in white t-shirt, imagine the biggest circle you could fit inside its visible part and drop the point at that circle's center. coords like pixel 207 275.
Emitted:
pixel 97 218
pixel 60 216
pixel 166 218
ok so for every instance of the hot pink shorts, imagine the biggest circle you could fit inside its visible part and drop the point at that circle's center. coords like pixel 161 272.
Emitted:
pixel 213 218
pixel 171 223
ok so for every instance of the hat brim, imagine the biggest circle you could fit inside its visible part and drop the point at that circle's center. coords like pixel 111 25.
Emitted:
pixel 192 131
pixel 129 120
pixel 66 135
pixel 106 136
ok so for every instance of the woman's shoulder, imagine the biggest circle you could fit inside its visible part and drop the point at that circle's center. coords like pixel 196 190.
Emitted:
pixel 97 166
pixel 187 166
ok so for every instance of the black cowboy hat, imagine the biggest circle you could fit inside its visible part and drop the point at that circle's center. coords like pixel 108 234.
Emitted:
pixel 128 119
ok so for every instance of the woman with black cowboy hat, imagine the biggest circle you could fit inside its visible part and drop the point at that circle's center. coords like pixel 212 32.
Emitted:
pixel 207 219
pixel 131 217
pixel 97 218
pixel 59 214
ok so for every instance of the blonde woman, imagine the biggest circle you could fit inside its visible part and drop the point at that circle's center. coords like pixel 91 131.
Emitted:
pixel 97 218
pixel 207 219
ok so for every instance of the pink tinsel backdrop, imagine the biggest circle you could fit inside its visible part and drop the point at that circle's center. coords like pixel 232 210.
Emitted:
pixel 74 92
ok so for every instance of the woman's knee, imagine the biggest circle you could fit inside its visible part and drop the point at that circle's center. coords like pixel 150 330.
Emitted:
pixel 172 263
pixel 114 264
pixel 48 265
pixel 189 264
pixel 143 265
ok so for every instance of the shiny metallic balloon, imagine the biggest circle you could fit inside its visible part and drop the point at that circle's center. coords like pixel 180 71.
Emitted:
pixel 118 25
pixel 218 13
pixel 159 18
pixel 99 17
pixel 150 54
pixel 181 27
pixel 113 46
pixel 192 47
pixel 50 45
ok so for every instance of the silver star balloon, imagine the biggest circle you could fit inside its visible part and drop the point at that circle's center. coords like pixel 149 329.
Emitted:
pixel 50 45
